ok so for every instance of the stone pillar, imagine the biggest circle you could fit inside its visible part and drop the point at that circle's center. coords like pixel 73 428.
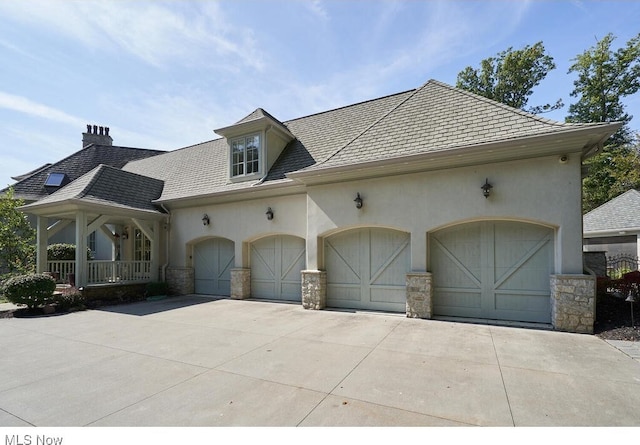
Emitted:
pixel 419 295
pixel 181 280
pixel 573 303
pixel 240 283
pixel 314 289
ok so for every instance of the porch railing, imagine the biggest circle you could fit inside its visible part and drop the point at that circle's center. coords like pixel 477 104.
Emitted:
pixel 103 271
pixel 62 269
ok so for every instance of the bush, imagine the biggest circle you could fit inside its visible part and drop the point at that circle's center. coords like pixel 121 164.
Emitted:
pixel 62 252
pixel 156 288
pixel 31 290
pixel 71 298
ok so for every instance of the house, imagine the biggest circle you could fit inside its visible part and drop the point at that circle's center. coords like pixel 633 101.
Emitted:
pixel 613 229
pixel 433 202
pixel 97 149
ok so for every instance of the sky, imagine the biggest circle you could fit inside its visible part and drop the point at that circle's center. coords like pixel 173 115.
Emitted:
pixel 165 74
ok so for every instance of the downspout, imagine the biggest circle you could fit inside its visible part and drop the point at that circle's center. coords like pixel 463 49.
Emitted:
pixel 167 238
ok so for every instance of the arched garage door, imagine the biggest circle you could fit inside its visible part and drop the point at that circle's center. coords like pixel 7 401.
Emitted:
pixel 213 260
pixel 495 270
pixel 366 269
pixel 276 265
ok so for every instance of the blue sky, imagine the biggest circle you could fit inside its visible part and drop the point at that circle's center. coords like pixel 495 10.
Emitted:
pixel 164 74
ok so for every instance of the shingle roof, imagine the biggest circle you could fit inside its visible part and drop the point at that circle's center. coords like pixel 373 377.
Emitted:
pixel 434 117
pixel 439 117
pixel 111 186
pixel 77 164
pixel 621 213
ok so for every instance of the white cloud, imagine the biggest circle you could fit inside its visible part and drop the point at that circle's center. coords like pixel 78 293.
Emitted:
pixel 318 9
pixel 27 106
pixel 158 33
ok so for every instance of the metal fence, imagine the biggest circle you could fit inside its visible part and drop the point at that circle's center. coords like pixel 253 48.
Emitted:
pixel 618 265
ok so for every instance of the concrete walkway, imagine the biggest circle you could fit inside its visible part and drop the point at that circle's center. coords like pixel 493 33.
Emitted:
pixel 193 361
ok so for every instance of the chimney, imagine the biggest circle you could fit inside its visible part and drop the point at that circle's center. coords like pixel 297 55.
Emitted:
pixel 96 135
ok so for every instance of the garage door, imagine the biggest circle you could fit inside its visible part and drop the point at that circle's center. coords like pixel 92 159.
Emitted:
pixel 276 263
pixel 366 269
pixel 493 270
pixel 213 260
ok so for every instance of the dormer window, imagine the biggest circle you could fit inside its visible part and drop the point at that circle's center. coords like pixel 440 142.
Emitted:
pixel 245 155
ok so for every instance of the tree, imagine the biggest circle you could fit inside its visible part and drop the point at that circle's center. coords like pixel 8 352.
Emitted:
pixel 605 77
pixel 17 248
pixel 510 77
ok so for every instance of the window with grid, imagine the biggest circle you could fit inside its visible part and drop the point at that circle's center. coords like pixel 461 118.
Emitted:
pixel 142 246
pixel 245 155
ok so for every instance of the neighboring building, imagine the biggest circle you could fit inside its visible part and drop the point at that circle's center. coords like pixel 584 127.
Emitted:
pixel 614 227
pixel 97 149
pixel 433 202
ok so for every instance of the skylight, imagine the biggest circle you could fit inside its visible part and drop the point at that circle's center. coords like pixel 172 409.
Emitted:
pixel 56 180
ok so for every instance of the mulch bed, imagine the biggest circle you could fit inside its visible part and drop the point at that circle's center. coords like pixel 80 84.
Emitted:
pixel 613 319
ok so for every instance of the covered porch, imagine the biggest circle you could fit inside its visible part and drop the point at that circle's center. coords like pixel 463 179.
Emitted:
pixel 116 204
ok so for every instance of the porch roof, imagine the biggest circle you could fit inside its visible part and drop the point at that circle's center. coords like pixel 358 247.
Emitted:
pixel 108 188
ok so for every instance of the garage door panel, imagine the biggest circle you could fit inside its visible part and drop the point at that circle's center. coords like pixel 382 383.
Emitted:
pixel 276 265
pixel 213 261
pixel 366 269
pixel 509 263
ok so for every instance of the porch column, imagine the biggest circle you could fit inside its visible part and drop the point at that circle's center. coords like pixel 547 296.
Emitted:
pixel 155 251
pixel 42 240
pixel 81 248
pixel 638 248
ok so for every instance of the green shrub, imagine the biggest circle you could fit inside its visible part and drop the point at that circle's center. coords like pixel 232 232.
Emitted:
pixel 70 298
pixel 62 252
pixel 31 290
pixel 156 288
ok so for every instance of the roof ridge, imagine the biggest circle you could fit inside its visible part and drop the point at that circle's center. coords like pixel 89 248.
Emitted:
pixel 510 108
pixel 374 123
pixel 348 106
pixel 94 178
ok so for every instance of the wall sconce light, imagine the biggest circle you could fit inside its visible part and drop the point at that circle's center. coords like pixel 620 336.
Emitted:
pixel 125 234
pixel 269 214
pixel 486 188
pixel 205 220
pixel 358 201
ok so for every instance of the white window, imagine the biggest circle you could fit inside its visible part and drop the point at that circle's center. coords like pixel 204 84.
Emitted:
pixel 142 246
pixel 91 243
pixel 245 155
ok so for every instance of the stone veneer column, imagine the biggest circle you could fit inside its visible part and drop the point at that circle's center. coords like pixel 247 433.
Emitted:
pixel 419 295
pixel 240 283
pixel 573 303
pixel 314 289
pixel 181 280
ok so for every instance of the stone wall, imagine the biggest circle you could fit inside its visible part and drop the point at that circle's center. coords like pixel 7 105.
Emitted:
pixel 114 293
pixel 314 289
pixel 181 280
pixel 240 284
pixel 573 303
pixel 419 295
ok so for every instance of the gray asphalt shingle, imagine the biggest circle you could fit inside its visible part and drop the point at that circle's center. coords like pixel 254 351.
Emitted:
pixel 622 212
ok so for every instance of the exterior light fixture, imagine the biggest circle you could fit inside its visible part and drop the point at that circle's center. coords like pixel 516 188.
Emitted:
pixel 358 201
pixel 269 214
pixel 205 220
pixel 486 188
pixel 125 234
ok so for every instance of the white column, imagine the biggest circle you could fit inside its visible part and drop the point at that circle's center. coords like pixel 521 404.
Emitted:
pixel 155 251
pixel 42 240
pixel 638 248
pixel 81 248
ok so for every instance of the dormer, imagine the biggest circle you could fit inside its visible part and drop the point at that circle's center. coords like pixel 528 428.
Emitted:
pixel 254 144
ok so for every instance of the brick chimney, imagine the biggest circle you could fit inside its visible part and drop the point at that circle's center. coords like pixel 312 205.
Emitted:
pixel 96 135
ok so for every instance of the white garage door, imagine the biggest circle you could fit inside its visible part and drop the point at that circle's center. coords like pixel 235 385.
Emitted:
pixel 276 265
pixel 493 270
pixel 366 269
pixel 213 260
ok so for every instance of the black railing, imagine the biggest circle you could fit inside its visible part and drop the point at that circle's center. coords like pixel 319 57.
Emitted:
pixel 618 265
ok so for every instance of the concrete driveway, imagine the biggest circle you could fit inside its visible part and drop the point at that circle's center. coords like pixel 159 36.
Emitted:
pixel 194 361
